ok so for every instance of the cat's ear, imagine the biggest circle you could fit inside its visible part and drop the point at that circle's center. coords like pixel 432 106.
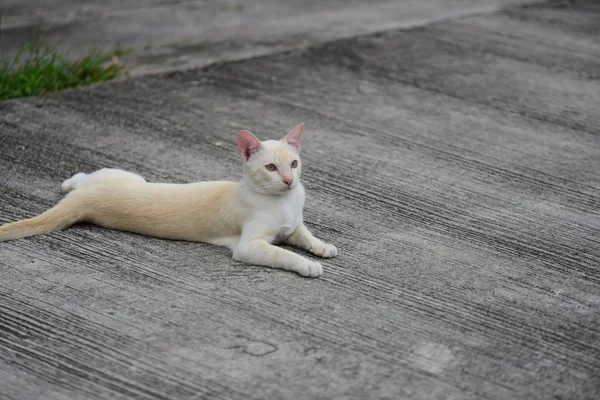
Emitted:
pixel 293 138
pixel 248 144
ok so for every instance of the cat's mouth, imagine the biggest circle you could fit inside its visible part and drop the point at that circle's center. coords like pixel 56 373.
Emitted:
pixel 285 188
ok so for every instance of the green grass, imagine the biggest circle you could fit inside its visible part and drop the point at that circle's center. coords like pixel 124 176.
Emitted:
pixel 39 68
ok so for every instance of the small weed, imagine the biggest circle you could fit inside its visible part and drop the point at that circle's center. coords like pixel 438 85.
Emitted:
pixel 39 68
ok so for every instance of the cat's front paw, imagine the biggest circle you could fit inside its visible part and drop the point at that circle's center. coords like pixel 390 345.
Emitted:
pixel 310 269
pixel 325 250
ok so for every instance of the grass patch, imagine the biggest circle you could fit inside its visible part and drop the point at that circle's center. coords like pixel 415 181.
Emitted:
pixel 39 68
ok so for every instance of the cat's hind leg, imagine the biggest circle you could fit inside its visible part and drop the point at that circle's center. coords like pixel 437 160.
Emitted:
pixel 104 174
pixel 72 182
pixel 114 174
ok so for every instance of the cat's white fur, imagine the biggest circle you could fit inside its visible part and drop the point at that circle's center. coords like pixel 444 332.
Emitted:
pixel 248 217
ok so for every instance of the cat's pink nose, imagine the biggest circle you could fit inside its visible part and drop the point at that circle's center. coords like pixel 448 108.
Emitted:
pixel 288 181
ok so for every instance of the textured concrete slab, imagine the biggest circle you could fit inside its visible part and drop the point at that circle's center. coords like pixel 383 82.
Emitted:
pixel 456 167
pixel 179 34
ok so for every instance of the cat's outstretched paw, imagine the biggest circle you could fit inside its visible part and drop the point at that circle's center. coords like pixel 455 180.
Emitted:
pixel 325 251
pixel 311 269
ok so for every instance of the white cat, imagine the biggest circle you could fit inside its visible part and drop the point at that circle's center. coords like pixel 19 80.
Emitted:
pixel 265 207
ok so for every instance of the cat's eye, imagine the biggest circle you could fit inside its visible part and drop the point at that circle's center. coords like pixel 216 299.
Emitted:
pixel 271 167
pixel 294 164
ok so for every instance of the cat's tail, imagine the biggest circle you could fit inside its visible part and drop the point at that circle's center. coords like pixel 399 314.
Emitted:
pixel 67 212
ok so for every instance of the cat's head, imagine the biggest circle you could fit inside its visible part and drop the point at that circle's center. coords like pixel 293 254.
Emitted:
pixel 273 166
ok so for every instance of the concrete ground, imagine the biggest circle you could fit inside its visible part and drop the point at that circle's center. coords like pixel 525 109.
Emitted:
pixel 177 34
pixel 456 166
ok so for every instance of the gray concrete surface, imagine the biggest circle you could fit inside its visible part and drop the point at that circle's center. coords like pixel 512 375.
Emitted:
pixel 179 34
pixel 456 167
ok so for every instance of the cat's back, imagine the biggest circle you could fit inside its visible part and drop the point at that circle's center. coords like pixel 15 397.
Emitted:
pixel 153 189
pixel 212 192
pixel 206 187
pixel 198 211
pixel 194 195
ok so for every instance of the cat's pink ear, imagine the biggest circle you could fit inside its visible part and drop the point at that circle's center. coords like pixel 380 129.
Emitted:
pixel 248 144
pixel 293 138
